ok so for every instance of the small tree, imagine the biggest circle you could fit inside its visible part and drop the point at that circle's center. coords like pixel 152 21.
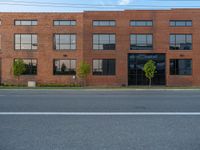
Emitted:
pixel 18 68
pixel 150 70
pixel 83 72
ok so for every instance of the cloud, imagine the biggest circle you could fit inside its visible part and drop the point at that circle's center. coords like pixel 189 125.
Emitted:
pixel 123 2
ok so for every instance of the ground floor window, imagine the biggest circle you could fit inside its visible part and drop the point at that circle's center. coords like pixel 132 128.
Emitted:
pixel 64 67
pixel 104 67
pixel 30 65
pixel 180 67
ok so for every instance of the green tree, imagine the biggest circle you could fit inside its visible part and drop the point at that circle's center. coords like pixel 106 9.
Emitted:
pixel 83 72
pixel 18 68
pixel 150 70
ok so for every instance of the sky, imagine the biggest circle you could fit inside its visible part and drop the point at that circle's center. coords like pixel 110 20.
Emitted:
pixel 89 5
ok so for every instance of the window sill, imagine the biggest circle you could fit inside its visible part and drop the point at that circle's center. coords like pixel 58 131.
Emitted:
pixel 58 50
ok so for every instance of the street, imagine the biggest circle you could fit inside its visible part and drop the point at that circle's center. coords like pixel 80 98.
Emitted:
pixel 71 131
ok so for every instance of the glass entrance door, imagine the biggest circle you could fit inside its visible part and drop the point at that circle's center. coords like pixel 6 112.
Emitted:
pixel 136 75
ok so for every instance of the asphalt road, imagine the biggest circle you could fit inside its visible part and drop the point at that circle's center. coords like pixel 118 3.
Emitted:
pixel 99 132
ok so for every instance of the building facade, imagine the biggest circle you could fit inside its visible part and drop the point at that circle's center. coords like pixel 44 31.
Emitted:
pixel 116 44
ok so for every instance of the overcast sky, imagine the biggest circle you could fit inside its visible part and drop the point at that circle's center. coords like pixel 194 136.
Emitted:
pixel 81 5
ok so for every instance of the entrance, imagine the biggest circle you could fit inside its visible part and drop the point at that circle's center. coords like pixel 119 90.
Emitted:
pixel 136 75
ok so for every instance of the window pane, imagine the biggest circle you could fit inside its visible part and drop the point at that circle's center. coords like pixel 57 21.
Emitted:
pixel 104 23
pixel 17 22
pixel 56 23
pixel 141 42
pixel 95 39
pixel 64 67
pixel 64 22
pixel 181 42
pixel 181 23
pixel 73 46
pixel 25 23
pixel 180 67
pixel 141 23
pixel 34 39
pixel 30 66
pixel 65 41
pixel 17 38
pixel 189 23
pixel 34 23
pixel 172 23
pixel 104 41
pixel 104 67
pixel 25 38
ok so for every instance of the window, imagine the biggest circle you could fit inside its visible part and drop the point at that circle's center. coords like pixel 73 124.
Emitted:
pixel 26 22
pixel 180 42
pixel 104 41
pixel 104 67
pixel 64 67
pixel 141 42
pixel 180 67
pixel 64 22
pixel 141 23
pixel 26 42
pixel 180 23
pixel 64 41
pixel 104 23
pixel 30 65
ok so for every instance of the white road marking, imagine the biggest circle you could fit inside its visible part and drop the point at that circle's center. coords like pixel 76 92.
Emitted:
pixel 105 113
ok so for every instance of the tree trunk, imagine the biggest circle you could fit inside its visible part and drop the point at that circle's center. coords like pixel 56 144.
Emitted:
pixel 18 81
pixel 149 82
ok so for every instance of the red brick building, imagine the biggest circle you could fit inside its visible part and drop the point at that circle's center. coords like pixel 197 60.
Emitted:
pixel 116 44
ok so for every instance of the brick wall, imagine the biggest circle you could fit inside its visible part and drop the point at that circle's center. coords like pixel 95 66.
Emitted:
pixel 84 30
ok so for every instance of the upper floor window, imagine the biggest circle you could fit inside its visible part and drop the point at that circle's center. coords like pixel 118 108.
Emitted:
pixel 104 67
pixel 104 23
pixel 26 22
pixel 30 66
pixel 64 67
pixel 180 42
pixel 64 41
pixel 141 23
pixel 141 42
pixel 26 42
pixel 64 22
pixel 180 67
pixel 180 23
pixel 104 41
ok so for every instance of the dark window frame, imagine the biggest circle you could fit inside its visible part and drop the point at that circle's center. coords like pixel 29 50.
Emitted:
pixel 29 20
pixel 114 45
pixel 185 21
pixel 63 20
pixel 110 25
pixel 31 68
pixel 152 47
pixel 107 72
pixel 141 21
pixel 70 44
pixel 173 71
pixel 73 72
pixel 176 42
pixel 32 44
